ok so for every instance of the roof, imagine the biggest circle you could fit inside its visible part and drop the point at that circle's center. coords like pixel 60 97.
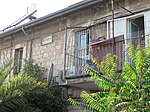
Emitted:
pixel 74 7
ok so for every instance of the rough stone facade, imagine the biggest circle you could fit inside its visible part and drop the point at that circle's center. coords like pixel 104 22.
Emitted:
pixel 45 52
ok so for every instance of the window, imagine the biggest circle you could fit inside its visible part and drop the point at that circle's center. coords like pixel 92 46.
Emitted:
pixel 130 27
pixel 147 26
pixel 81 49
pixel 82 41
pixel 18 59
pixel 136 30
pixel 119 27
pixel 0 58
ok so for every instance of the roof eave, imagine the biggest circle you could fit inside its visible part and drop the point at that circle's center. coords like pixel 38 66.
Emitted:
pixel 48 17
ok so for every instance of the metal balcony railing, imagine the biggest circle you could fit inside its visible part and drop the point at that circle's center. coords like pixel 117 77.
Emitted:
pixel 98 50
pixel 76 61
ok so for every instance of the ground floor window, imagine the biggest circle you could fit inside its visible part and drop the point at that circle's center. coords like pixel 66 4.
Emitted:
pixel 18 60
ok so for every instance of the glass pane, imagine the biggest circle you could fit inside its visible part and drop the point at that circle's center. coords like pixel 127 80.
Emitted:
pixel 134 30
pixel 20 60
pixel 82 41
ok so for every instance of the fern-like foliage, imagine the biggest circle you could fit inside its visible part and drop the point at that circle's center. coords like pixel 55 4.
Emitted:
pixel 128 90
pixel 12 89
pixel 32 69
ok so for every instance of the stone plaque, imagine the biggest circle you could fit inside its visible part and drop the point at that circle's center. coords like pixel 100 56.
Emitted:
pixel 46 40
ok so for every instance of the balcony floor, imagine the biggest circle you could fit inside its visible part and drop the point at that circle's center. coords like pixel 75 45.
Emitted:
pixel 83 82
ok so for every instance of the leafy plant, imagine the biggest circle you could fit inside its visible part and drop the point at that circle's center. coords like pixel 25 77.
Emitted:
pixel 32 69
pixel 12 89
pixel 47 100
pixel 120 92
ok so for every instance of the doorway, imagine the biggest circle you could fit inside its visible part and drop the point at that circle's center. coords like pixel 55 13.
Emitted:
pixel 136 31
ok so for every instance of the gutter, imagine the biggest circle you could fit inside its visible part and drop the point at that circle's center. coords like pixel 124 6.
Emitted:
pixel 67 10
pixel 51 16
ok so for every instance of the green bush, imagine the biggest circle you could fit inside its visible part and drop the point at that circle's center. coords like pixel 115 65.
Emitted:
pixel 13 88
pixel 23 93
pixel 47 100
pixel 32 69
pixel 125 91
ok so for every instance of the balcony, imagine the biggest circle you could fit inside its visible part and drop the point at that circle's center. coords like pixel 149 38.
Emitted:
pixel 77 59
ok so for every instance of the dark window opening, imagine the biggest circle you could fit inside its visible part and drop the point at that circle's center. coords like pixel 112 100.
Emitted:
pixel 136 31
pixel 18 60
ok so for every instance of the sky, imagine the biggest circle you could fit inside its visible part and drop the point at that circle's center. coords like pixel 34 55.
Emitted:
pixel 11 10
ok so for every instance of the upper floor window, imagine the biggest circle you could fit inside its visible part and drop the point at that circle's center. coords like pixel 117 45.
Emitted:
pixel 82 39
pixel 82 47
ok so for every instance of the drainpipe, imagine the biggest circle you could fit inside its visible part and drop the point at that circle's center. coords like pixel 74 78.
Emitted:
pixel 29 40
pixel 11 48
pixel 65 51
pixel 113 39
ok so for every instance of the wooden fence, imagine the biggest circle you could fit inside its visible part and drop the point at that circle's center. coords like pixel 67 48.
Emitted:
pixel 102 48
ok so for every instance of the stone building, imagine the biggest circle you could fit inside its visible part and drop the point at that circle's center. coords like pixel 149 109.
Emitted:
pixel 68 39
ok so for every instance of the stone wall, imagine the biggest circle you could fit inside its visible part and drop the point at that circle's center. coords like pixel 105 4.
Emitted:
pixel 52 52
pixel 75 94
pixel 49 53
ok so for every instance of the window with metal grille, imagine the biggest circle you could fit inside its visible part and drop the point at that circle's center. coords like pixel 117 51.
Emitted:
pixel 82 39
pixel 81 48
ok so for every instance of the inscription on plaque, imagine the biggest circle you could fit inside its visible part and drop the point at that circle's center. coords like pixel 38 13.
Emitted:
pixel 46 40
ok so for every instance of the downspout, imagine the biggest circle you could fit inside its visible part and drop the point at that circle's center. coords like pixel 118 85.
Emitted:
pixel 113 38
pixel 29 40
pixel 11 48
pixel 11 57
pixel 65 51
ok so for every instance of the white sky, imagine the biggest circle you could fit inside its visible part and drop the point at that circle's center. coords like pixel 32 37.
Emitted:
pixel 11 10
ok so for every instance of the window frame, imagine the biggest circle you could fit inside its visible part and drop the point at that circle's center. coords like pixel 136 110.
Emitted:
pixel 81 52
pixel 18 59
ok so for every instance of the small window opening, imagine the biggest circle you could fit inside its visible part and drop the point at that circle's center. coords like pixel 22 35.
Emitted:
pixel 18 60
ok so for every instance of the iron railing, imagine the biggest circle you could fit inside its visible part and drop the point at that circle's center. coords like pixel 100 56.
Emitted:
pixel 77 59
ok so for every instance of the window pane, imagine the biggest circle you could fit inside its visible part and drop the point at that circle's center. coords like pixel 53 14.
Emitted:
pixel 83 41
pixel 18 59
